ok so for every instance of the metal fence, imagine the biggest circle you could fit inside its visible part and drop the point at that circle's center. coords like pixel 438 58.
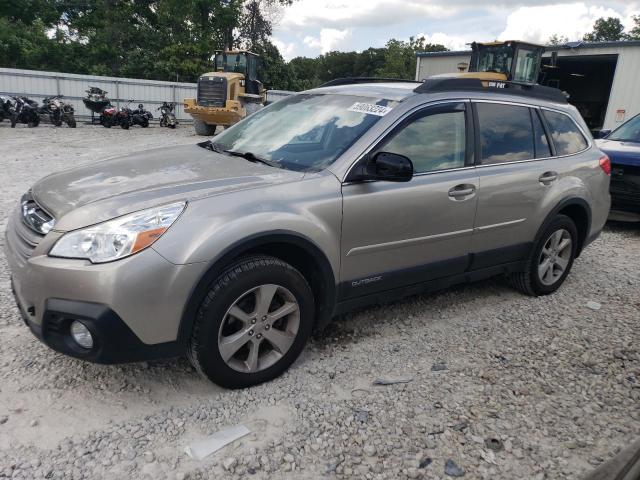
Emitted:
pixel 38 85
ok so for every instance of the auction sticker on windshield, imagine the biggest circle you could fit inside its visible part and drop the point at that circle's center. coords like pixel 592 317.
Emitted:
pixel 370 108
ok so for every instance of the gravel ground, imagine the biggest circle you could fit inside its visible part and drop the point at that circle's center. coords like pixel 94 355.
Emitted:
pixel 502 385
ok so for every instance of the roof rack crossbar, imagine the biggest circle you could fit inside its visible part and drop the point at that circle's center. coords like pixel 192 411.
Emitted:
pixel 355 80
pixel 433 85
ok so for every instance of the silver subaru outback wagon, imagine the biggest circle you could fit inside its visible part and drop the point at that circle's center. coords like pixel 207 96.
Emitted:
pixel 233 250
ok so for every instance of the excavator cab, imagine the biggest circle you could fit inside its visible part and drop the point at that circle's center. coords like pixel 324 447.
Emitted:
pixel 511 60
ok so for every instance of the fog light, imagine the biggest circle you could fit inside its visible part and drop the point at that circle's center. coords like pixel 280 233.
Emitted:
pixel 81 334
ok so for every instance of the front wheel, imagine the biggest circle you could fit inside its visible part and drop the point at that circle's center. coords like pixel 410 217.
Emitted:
pixel 253 322
pixel 204 129
pixel 550 260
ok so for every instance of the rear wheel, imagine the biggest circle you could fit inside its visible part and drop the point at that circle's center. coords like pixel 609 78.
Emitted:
pixel 71 122
pixel 253 323
pixel 124 125
pixel 204 128
pixel 550 260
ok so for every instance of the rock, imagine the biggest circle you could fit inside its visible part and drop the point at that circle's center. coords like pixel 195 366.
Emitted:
pixel 595 306
pixel 362 416
pixel 289 458
pixel 369 450
pixel 425 462
pixel 229 463
pixel 438 367
pixel 149 457
pixel 452 469
pixel 494 444
pixel 34 423
pixel 4 419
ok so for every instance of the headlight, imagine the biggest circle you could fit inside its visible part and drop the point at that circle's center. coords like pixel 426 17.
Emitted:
pixel 120 237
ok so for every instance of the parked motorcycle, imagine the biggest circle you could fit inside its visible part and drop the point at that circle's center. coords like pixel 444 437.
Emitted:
pixel 140 116
pixel 58 111
pixel 24 110
pixel 167 117
pixel 6 104
pixel 96 99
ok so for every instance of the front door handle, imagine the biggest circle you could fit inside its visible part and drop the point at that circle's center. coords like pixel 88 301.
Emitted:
pixel 547 177
pixel 462 191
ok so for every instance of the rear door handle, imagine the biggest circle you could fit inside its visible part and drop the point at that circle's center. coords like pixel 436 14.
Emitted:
pixel 460 191
pixel 547 177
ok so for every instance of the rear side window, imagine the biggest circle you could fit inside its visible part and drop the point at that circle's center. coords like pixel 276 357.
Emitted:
pixel 566 135
pixel 540 137
pixel 506 134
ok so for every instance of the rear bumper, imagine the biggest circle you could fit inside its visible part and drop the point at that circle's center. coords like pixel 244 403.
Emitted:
pixel 625 188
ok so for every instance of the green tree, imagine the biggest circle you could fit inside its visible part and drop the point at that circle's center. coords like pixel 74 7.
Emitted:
pixel 606 30
pixel 556 39
pixel 400 57
pixel 634 34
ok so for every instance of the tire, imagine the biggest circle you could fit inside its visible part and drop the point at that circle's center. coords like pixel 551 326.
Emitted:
pixel 145 123
pixel 204 129
pixel 530 281
pixel 244 281
pixel 124 125
pixel 71 122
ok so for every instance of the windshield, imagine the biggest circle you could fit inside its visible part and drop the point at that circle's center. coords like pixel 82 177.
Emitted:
pixel 629 132
pixel 304 132
pixel 495 59
pixel 231 62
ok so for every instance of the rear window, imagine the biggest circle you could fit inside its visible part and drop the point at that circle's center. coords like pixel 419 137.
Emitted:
pixel 565 134
pixel 506 134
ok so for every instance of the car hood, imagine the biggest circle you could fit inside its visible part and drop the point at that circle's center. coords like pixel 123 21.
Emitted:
pixel 621 153
pixel 94 193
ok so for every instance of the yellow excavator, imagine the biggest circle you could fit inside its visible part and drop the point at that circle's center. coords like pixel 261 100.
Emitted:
pixel 228 94
pixel 511 60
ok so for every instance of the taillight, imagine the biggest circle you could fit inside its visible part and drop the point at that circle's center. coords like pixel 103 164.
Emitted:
pixel 605 165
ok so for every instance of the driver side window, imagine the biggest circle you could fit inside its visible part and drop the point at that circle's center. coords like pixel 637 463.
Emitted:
pixel 433 140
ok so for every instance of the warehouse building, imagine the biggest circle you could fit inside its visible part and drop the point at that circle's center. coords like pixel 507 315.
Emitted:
pixel 601 78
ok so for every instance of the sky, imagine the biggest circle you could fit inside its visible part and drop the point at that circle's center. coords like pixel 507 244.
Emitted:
pixel 311 27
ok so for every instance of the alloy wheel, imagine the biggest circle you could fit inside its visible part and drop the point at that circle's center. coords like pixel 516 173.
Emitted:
pixel 259 328
pixel 555 257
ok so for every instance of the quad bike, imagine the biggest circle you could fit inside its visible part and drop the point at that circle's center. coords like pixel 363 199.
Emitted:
pixel 167 117
pixel 24 110
pixel 58 111
pixel 109 116
pixel 6 103
pixel 140 116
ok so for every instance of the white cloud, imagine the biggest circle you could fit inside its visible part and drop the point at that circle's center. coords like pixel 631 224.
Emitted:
pixel 342 14
pixel 287 49
pixel 330 39
pixel 452 42
pixel 572 20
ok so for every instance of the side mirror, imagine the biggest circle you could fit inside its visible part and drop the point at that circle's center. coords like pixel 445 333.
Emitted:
pixel 604 133
pixel 389 167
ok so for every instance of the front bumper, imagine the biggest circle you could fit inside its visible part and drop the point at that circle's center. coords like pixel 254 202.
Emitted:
pixel 114 342
pixel 133 307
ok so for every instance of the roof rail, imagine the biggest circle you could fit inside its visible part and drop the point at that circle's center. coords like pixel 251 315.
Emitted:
pixel 432 85
pixel 354 80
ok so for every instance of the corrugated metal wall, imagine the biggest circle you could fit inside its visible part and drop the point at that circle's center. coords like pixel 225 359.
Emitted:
pixel 38 85
pixel 625 93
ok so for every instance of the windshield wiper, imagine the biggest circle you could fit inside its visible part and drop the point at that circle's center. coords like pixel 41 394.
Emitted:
pixel 252 157
pixel 214 147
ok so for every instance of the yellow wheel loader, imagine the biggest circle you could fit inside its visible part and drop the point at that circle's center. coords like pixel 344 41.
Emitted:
pixel 511 60
pixel 228 94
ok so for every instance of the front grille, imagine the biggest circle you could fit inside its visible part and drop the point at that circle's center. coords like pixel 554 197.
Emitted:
pixel 22 236
pixel 212 91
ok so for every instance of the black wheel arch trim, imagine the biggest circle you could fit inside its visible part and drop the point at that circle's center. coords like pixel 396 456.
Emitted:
pixel 227 256
pixel 567 202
